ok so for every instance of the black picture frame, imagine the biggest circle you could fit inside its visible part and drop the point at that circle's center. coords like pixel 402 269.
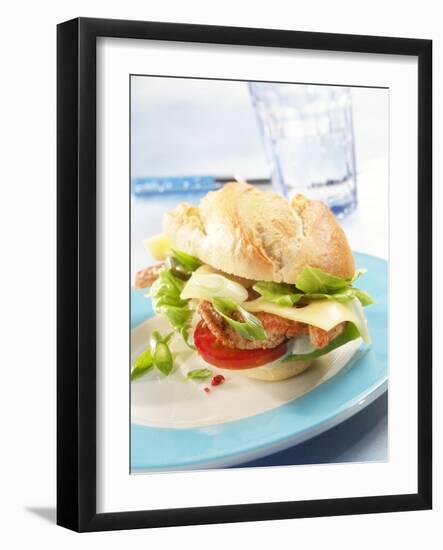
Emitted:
pixel 76 280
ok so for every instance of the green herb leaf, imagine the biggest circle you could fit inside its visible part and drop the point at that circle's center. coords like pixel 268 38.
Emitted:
pixel 163 358
pixel 142 364
pixel 186 260
pixel 199 374
pixel 350 332
pixel 251 327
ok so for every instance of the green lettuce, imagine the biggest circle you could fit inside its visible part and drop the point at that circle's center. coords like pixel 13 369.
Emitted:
pixel 165 294
pixel 315 281
pixel 278 293
pixel 314 284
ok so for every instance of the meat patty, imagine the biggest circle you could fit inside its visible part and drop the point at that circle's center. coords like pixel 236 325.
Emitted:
pixel 277 329
pixel 228 336
pixel 321 338
pixel 146 277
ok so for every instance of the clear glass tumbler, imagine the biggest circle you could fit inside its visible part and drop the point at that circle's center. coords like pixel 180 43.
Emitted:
pixel 309 141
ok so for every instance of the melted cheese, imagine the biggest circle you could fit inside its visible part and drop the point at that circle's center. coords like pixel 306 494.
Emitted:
pixel 325 314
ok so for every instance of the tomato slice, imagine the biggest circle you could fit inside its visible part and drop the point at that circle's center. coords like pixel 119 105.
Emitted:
pixel 219 355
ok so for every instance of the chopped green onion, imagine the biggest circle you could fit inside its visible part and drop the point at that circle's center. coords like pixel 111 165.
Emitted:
pixel 251 328
pixel 207 286
pixel 199 374
pixel 350 332
pixel 157 338
pixel 163 358
pixel 142 364
pixel 189 262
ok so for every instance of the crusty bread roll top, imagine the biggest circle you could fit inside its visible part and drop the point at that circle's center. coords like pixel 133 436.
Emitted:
pixel 260 235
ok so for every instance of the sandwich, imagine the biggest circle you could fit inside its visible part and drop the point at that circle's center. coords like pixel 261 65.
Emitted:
pixel 256 283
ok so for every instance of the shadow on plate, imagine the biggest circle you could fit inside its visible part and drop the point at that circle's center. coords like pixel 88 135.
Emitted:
pixel 361 438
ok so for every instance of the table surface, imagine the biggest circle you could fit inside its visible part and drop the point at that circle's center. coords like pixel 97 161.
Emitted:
pixel 363 437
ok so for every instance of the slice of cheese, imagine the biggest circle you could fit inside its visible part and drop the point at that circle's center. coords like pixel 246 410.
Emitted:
pixel 325 314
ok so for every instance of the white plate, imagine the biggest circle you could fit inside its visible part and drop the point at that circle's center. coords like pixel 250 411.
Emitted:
pixel 173 402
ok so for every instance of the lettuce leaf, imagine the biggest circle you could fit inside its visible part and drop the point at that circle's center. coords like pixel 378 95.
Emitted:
pixel 351 292
pixel 350 333
pixel 315 281
pixel 314 284
pixel 343 295
pixel 279 293
pixel 165 294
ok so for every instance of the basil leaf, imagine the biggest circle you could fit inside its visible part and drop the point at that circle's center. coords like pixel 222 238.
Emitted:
pixel 279 293
pixel 186 260
pixel 142 364
pixel 250 328
pixel 199 374
pixel 350 332
pixel 163 358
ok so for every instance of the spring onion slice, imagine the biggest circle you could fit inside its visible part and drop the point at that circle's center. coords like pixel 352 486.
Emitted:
pixel 251 328
pixel 206 286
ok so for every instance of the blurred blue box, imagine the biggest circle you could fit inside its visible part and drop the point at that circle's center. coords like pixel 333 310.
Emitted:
pixel 145 187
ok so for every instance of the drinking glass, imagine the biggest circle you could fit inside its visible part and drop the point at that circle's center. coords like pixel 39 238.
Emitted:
pixel 308 135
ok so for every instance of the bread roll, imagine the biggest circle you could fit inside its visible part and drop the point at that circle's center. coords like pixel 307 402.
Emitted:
pixel 280 371
pixel 260 235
